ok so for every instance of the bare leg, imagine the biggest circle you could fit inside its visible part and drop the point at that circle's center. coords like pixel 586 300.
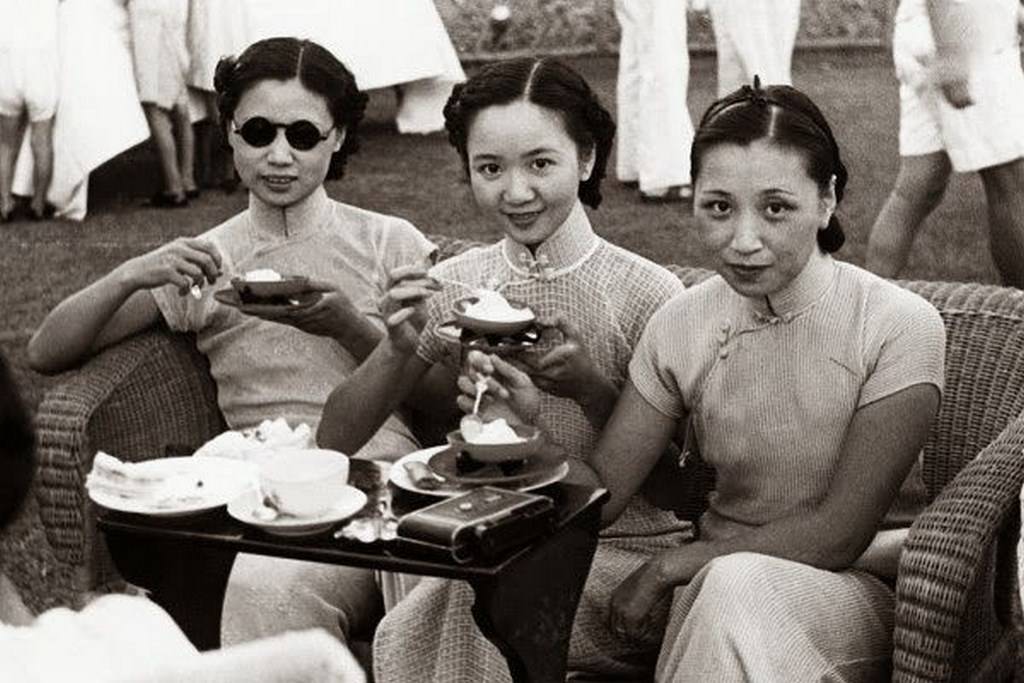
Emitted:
pixel 10 137
pixel 920 184
pixel 42 160
pixel 163 135
pixel 13 611
pixel 1004 193
pixel 204 153
pixel 215 160
pixel 186 143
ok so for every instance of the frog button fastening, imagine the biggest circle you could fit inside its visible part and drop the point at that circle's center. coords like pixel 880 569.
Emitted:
pixel 723 338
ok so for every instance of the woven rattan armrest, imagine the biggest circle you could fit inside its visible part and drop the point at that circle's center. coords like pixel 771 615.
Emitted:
pixel 957 588
pixel 146 397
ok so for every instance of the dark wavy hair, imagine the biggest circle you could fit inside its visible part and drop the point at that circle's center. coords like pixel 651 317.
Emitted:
pixel 787 117
pixel 548 83
pixel 283 59
pixel 17 447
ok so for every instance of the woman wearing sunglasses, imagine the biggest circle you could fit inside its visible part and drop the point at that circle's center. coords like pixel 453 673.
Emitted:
pixel 291 112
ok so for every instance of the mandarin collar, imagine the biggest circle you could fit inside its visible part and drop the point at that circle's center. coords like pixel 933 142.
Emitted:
pixel 805 290
pixel 301 218
pixel 569 246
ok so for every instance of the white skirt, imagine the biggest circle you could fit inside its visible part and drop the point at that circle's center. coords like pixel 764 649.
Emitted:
pixel 216 29
pixel 383 42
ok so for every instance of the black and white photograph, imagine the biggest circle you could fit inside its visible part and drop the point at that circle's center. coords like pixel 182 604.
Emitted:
pixel 473 341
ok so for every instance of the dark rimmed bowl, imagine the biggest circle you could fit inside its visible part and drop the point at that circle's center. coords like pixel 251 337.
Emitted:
pixel 486 326
pixel 500 452
pixel 257 291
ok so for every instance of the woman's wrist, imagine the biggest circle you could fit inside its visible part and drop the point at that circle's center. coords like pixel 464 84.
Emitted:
pixel 124 279
pixel 663 572
pixel 677 566
pixel 598 400
pixel 597 390
pixel 394 350
pixel 353 331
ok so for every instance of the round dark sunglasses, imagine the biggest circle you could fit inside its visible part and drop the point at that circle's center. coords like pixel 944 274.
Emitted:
pixel 302 135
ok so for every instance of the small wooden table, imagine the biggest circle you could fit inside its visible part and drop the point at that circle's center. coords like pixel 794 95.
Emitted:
pixel 525 601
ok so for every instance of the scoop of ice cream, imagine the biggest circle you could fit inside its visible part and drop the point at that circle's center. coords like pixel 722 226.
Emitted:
pixel 491 305
pixel 494 432
pixel 263 275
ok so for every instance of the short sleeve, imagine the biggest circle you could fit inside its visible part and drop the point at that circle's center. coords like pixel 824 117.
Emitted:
pixel 185 313
pixel 638 287
pixel 182 313
pixel 651 369
pixel 403 245
pixel 907 345
pixel 663 288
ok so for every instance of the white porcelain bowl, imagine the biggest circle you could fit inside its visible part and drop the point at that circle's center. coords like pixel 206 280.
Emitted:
pixel 305 482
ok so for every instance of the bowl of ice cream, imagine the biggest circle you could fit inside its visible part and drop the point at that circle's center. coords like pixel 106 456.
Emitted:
pixel 267 286
pixel 488 312
pixel 497 441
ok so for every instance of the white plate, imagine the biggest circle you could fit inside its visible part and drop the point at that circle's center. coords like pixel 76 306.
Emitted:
pixel 242 507
pixel 223 480
pixel 400 478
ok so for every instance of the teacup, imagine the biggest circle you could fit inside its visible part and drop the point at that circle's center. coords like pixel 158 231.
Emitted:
pixel 305 482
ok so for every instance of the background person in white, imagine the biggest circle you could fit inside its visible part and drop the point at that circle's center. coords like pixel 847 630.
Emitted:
pixel 961 109
pixel 215 28
pixel 100 115
pixel 754 37
pixel 385 43
pixel 28 91
pixel 655 130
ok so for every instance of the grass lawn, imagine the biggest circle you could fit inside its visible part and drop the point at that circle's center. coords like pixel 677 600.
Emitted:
pixel 420 178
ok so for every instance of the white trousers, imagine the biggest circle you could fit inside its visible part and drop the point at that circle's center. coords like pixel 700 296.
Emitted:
pixel 754 37
pixel 655 131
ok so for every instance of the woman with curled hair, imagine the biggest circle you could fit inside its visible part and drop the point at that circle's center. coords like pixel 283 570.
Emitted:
pixel 291 113
pixel 534 140
pixel 283 59
pixel 809 385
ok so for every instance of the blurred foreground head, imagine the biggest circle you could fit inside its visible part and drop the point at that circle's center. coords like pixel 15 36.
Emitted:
pixel 17 447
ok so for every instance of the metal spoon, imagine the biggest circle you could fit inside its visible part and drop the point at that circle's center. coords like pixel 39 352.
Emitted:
pixel 471 425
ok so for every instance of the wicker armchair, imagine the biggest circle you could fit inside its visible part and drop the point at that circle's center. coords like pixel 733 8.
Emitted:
pixel 149 396
pixel 957 603
pixel 957 589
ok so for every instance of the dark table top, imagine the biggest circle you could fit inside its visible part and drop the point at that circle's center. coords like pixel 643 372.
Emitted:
pixel 217 528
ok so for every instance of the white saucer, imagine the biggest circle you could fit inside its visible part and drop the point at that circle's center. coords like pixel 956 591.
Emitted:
pixel 400 478
pixel 223 479
pixel 243 507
